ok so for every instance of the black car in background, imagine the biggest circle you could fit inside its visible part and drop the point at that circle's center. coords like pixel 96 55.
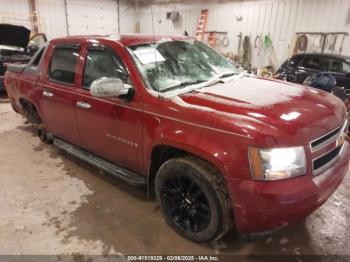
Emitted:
pixel 16 46
pixel 297 68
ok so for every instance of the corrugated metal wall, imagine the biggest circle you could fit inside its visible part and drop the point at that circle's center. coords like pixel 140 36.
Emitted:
pixel 127 17
pixel 280 19
pixel 15 12
pixel 92 17
pixel 83 16
pixel 52 18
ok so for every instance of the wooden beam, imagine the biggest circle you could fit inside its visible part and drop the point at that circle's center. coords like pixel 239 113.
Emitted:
pixel 34 16
pixel 67 20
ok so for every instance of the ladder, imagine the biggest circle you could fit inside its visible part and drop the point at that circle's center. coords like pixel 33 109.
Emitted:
pixel 202 23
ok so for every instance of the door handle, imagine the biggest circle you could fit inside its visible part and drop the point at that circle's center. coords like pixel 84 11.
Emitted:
pixel 47 94
pixel 83 105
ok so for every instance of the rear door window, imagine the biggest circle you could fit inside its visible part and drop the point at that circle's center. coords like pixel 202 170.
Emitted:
pixel 338 66
pixel 315 62
pixel 63 64
pixel 346 67
pixel 102 62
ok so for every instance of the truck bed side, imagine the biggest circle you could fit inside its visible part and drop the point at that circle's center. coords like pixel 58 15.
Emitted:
pixel 20 81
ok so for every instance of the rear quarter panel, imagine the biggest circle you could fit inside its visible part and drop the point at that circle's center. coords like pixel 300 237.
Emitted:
pixel 20 86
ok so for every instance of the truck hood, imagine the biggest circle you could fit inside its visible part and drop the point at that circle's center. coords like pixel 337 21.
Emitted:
pixel 251 105
pixel 13 35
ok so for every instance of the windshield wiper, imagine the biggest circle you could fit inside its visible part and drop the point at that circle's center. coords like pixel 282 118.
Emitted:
pixel 183 84
pixel 226 75
pixel 218 79
pixel 194 82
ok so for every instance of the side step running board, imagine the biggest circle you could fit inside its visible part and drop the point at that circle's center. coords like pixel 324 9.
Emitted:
pixel 124 174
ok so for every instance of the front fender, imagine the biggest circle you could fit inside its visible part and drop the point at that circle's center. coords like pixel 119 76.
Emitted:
pixel 226 152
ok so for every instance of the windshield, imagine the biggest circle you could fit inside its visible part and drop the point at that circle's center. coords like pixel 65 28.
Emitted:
pixel 176 64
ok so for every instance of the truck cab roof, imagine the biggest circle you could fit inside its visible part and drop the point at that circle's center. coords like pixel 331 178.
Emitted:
pixel 125 39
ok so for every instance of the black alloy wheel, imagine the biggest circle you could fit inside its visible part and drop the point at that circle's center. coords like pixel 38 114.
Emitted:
pixel 193 199
pixel 185 203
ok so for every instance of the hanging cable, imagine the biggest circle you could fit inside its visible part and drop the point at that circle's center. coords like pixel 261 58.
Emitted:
pixel 246 50
pixel 301 43
pixel 155 48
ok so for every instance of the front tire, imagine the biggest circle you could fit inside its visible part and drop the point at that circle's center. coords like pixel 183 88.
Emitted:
pixel 193 199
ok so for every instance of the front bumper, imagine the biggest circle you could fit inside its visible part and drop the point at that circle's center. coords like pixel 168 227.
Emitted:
pixel 267 206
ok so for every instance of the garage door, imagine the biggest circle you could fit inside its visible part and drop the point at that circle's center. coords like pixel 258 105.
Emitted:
pixel 92 17
pixel 15 12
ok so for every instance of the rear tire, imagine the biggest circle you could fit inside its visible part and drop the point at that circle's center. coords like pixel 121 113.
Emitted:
pixel 193 199
pixel 44 135
pixel 30 112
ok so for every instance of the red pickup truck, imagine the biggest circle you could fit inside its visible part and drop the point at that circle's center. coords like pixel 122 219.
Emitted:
pixel 219 150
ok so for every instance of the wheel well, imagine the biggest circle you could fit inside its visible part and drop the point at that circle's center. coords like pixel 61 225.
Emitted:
pixel 160 155
pixel 30 111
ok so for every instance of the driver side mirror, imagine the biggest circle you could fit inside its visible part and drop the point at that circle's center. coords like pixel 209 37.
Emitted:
pixel 111 87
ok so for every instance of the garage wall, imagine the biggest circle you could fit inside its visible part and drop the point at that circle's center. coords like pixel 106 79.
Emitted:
pixel 92 17
pixel 127 18
pixel 52 18
pixel 279 19
pixel 15 12
pixel 83 16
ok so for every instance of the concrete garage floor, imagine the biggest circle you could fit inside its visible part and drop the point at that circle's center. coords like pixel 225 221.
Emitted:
pixel 53 204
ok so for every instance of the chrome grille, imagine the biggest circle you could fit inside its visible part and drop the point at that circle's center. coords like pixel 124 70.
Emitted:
pixel 327 138
pixel 326 160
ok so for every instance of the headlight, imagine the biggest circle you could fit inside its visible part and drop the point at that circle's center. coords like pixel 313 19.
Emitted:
pixel 277 163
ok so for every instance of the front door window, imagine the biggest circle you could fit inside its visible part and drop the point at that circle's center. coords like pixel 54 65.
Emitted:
pixel 102 63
